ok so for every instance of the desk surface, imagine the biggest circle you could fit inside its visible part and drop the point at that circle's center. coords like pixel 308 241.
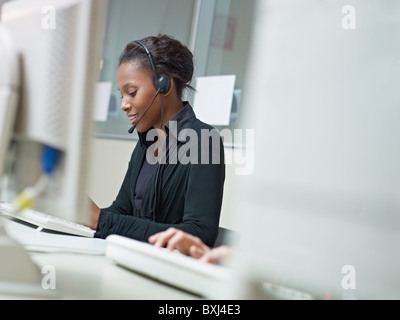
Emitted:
pixel 82 271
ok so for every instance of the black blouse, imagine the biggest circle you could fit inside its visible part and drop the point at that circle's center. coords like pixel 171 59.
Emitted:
pixel 183 194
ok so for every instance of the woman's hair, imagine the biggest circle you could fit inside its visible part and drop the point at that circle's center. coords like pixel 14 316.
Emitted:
pixel 170 57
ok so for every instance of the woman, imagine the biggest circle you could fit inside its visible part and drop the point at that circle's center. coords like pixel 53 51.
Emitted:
pixel 176 174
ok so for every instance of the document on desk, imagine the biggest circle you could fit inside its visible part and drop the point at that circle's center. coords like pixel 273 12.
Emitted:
pixel 103 95
pixel 213 99
pixel 44 241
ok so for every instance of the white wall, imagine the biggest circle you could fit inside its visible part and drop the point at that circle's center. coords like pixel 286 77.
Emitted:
pixel 109 164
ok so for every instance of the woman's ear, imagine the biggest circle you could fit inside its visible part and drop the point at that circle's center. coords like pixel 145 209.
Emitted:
pixel 172 84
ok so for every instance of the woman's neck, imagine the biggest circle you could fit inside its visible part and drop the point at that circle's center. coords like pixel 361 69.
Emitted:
pixel 171 108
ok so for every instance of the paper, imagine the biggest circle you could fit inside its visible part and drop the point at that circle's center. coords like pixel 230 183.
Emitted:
pixel 213 99
pixel 102 100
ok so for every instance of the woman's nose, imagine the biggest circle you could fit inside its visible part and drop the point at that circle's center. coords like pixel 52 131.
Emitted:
pixel 125 105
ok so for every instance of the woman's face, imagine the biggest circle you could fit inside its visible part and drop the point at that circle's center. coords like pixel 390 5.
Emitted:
pixel 137 92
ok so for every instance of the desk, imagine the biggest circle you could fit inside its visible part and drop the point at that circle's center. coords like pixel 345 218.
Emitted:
pixel 82 271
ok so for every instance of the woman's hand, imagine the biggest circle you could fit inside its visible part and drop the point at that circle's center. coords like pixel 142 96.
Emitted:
pixel 186 243
pixel 190 245
pixel 217 254
pixel 94 212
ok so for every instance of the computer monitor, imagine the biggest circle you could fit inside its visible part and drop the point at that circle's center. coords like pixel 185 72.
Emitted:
pixel 321 210
pixel 59 43
pixel 9 91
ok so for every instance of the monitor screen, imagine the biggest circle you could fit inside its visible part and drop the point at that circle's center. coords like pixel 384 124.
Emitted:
pixel 321 210
pixel 59 44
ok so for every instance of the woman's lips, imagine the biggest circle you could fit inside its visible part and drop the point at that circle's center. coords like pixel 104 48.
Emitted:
pixel 133 119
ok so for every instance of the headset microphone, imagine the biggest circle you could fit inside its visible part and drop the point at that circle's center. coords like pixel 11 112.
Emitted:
pixel 132 128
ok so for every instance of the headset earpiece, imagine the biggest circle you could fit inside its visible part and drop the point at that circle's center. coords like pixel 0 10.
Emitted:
pixel 164 83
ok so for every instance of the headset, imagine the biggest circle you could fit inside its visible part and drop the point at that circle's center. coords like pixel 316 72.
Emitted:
pixel 162 83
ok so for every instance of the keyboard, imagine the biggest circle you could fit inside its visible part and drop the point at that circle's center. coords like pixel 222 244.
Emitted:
pixel 169 267
pixel 46 221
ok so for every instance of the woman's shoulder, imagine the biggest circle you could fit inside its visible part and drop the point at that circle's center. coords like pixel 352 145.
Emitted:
pixel 200 125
